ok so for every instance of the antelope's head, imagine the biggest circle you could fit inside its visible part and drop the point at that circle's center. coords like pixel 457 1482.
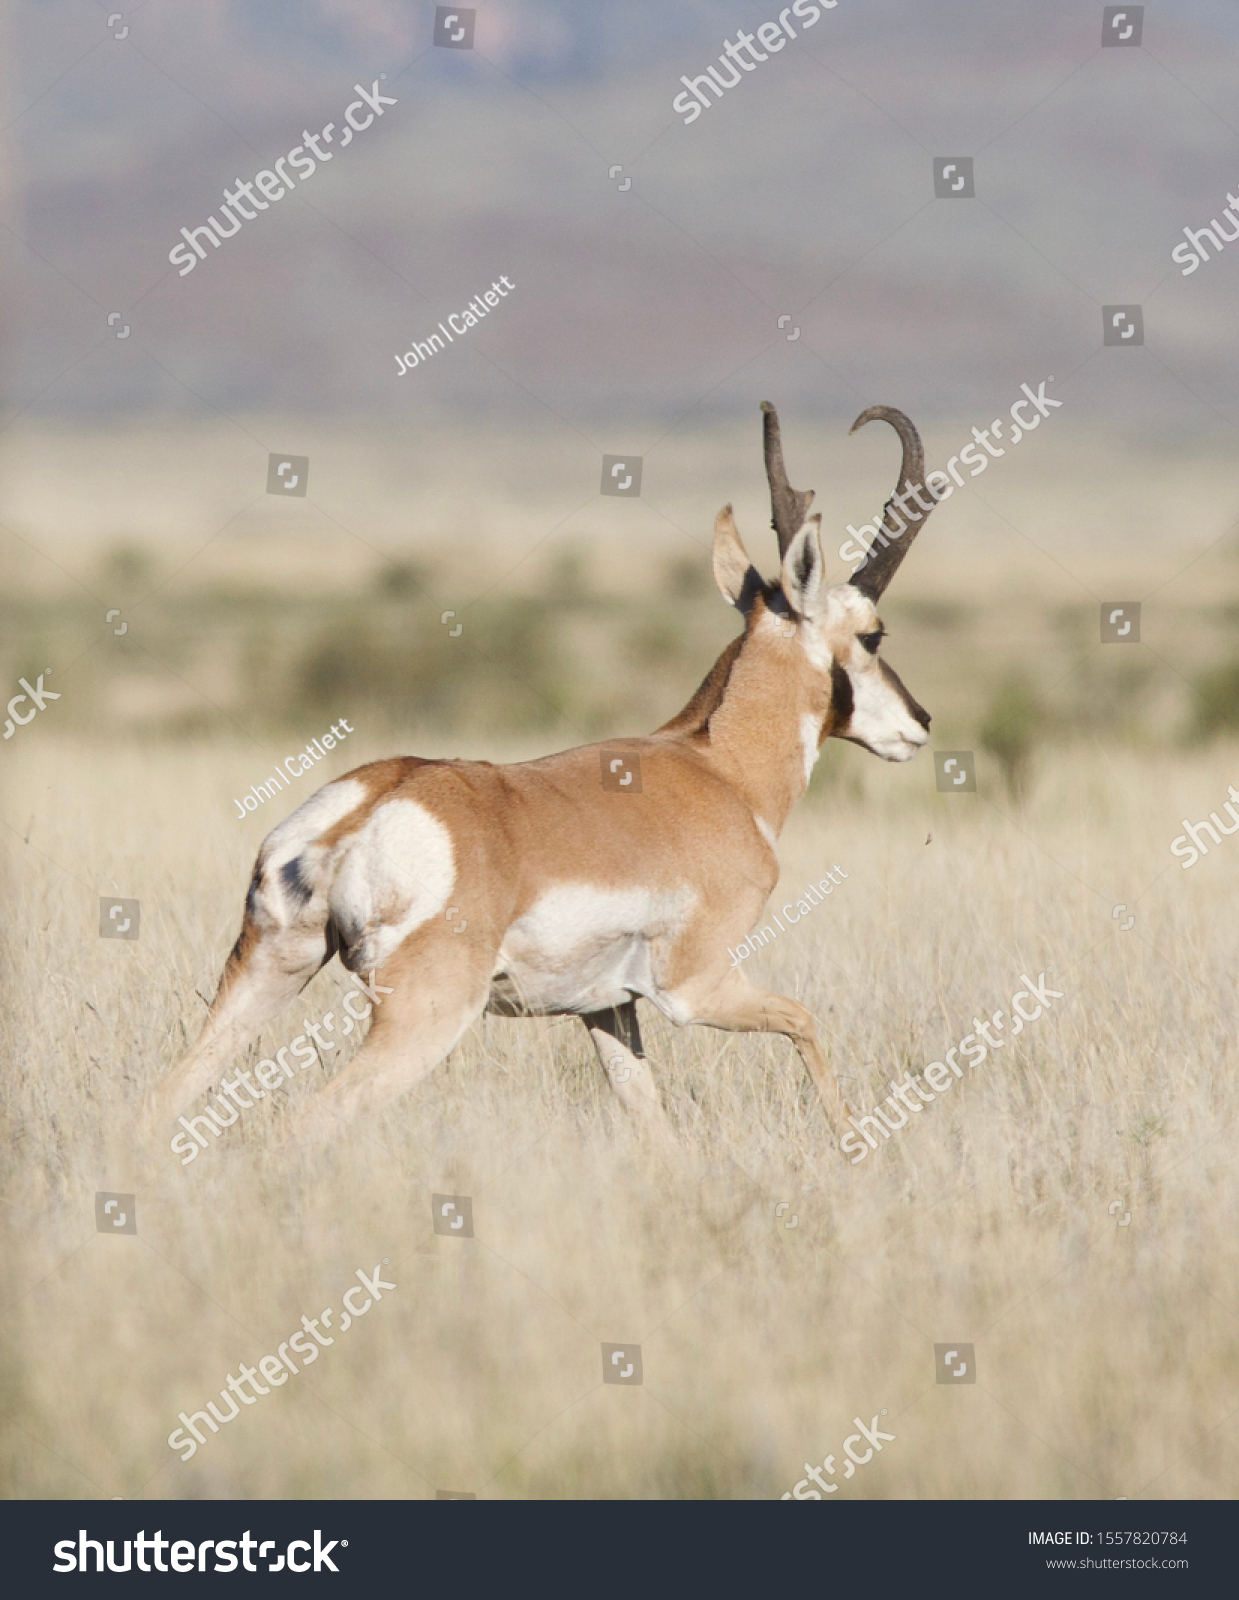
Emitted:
pixel 829 636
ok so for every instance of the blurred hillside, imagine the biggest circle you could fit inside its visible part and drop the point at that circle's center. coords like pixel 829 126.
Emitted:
pixel 569 657
pixel 582 615
pixel 808 192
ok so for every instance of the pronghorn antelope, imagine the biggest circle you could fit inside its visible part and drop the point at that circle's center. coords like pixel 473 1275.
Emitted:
pixel 532 890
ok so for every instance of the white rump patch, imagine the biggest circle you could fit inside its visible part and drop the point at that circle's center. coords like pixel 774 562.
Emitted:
pixel 321 811
pixel 297 898
pixel 581 948
pixel 396 873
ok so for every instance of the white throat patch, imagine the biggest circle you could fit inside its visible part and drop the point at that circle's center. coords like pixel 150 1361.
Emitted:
pixel 810 735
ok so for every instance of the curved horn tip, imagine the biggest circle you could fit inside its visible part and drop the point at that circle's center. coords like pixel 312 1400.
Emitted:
pixel 871 414
pixel 766 406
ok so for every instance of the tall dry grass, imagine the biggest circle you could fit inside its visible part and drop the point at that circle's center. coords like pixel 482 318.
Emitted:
pixel 1106 1354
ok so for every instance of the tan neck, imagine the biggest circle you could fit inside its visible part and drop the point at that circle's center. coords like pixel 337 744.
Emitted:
pixel 746 719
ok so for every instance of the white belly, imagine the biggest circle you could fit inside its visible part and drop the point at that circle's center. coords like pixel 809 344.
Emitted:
pixel 585 949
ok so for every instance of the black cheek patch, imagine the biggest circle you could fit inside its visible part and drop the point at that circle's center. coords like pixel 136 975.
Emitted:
pixel 915 710
pixel 842 702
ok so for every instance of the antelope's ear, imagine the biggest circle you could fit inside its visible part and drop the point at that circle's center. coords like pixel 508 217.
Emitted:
pixel 804 569
pixel 739 582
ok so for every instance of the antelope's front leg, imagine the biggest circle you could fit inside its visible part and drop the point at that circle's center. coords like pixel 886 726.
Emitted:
pixel 733 1003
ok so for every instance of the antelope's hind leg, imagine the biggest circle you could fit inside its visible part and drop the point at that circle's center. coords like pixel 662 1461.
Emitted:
pixel 440 984
pixel 617 1038
pixel 266 970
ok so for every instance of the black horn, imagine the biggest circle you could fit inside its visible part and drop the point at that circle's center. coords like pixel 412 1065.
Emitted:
pixel 788 506
pixel 876 572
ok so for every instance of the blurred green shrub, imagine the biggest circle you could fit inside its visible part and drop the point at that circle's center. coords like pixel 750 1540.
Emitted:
pixel 1009 734
pixel 1215 702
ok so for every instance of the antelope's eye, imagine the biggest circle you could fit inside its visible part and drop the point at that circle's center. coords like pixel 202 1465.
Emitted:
pixel 871 641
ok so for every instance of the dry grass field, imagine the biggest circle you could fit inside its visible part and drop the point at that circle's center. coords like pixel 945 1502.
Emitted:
pixel 228 522
pixel 1105 1353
